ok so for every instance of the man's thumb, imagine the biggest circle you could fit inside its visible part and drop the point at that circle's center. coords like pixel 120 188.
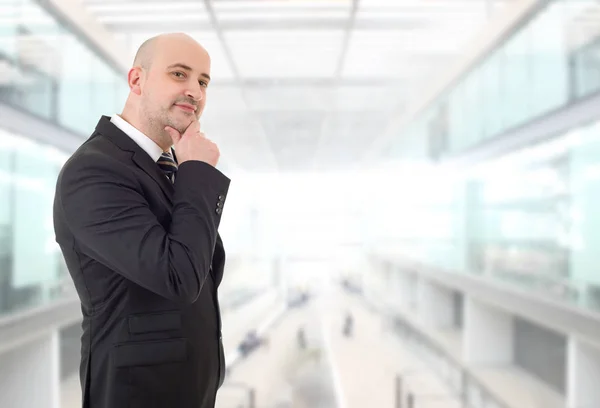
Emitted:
pixel 175 135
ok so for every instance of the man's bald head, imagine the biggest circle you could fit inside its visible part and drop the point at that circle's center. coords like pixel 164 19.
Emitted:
pixel 168 82
pixel 147 52
pixel 143 56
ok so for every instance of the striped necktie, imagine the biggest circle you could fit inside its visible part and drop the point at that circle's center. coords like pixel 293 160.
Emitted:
pixel 168 165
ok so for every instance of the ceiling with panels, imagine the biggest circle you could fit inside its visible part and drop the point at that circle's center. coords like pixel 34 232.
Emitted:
pixel 306 85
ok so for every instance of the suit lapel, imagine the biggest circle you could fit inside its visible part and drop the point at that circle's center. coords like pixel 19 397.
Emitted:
pixel 140 157
pixel 144 162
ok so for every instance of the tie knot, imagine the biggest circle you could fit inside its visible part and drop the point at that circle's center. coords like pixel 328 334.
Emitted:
pixel 167 164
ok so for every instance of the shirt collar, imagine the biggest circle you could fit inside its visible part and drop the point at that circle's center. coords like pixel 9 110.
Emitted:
pixel 147 144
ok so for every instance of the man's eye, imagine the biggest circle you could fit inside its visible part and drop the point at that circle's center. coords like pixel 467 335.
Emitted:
pixel 179 74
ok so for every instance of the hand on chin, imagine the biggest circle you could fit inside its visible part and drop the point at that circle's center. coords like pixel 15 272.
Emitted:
pixel 180 122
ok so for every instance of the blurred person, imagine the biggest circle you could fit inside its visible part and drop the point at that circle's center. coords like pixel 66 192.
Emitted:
pixel 301 338
pixel 348 326
pixel 138 228
pixel 251 342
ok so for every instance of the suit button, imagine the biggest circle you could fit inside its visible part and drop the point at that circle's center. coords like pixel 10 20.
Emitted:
pixel 221 197
pixel 218 210
pixel 219 204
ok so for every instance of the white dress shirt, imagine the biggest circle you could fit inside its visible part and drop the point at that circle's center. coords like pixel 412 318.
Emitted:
pixel 141 139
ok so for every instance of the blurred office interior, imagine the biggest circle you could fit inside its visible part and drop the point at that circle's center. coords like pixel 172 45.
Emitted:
pixel 414 206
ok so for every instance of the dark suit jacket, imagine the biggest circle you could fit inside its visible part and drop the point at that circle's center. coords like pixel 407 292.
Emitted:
pixel 146 260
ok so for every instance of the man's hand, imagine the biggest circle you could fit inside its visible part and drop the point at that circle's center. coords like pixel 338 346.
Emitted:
pixel 193 145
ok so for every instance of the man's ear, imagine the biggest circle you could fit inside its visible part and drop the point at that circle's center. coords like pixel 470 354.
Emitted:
pixel 134 78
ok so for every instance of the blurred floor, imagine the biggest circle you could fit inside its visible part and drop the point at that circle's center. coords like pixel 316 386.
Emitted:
pixel 333 371
pixel 367 362
pixel 283 374
pixel 236 323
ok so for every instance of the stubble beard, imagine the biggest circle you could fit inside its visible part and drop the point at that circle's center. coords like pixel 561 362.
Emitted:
pixel 156 121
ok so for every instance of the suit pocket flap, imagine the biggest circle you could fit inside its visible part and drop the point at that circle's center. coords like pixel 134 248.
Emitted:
pixel 154 322
pixel 150 353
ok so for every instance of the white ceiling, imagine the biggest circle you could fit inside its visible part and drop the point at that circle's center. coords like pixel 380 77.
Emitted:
pixel 300 84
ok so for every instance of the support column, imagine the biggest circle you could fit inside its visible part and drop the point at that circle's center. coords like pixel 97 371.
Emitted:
pixel 30 376
pixel 435 305
pixel 488 334
pixel 404 286
pixel 583 375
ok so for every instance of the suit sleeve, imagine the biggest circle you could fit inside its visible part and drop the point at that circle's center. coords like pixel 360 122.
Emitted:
pixel 112 223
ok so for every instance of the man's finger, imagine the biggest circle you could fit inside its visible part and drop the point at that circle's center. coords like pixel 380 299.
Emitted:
pixel 175 135
pixel 193 127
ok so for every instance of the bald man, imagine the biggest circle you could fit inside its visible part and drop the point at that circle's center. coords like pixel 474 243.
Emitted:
pixel 136 214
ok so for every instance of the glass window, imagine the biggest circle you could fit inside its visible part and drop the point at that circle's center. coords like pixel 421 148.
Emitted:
pixel 103 90
pixel 530 218
pixel 516 79
pixel 491 95
pixel 34 175
pixel 520 227
pixel 46 70
pixel 75 89
pixel 536 222
pixel 457 119
pixel 6 185
pixel 552 58
pixel 585 230
pixel 8 28
pixel 31 267
pixel 582 37
pixel 38 54
pixel 549 69
pixel 472 100
pixel 586 66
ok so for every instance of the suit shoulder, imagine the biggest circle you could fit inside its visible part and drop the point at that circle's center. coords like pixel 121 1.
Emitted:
pixel 96 151
pixel 97 156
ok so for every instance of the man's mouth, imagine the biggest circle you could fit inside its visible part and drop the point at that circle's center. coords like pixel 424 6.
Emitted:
pixel 186 107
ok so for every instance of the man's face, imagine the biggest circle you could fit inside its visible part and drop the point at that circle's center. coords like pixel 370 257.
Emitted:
pixel 174 88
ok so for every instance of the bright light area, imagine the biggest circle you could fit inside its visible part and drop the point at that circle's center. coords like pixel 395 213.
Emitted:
pixel 514 162
pixel 139 7
pixel 317 213
pixel 154 18
pixel 275 15
pixel 281 53
pixel 277 4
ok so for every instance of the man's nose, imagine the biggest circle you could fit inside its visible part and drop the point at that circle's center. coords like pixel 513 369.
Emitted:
pixel 194 93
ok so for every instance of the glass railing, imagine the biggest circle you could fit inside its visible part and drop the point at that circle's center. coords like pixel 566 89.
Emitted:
pixel 528 219
pixel 462 384
pixel 49 71
pixel 32 269
pixel 471 392
pixel 550 61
